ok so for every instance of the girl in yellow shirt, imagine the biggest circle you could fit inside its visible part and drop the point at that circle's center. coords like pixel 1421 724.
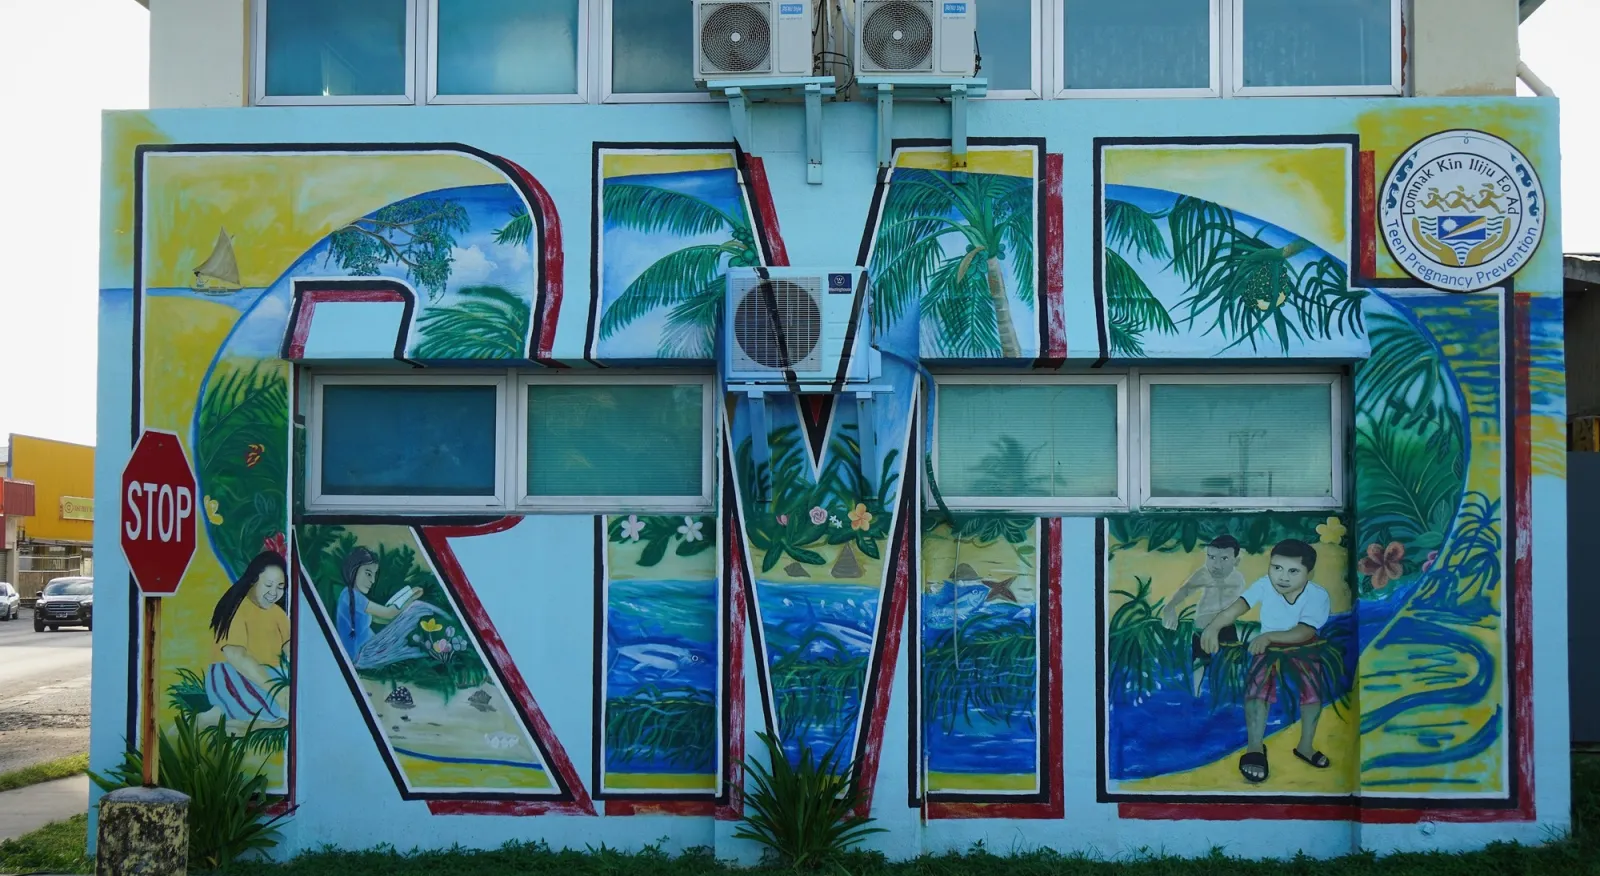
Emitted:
pixel 245 681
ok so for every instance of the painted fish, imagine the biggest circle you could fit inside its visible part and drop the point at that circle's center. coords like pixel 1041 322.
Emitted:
pixel 940 614
pixel 666 659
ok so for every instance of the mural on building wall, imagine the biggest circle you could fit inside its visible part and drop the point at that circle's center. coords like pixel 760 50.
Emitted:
pixel 981 675
pixel 1431 532
pixel 818 538
pixel 221 300
pixel 1199 259
pixel 961 260
pixel 669 224
pixel 658 684
pixel 1196 702
pixel 425 682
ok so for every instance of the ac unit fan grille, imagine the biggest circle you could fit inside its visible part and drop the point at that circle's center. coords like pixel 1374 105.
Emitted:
pixel 756 331
pixel 736 38
pixel 898 35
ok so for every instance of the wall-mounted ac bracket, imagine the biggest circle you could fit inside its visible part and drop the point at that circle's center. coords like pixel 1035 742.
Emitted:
pixel 741 92
pixel 956 91
pixel 867 437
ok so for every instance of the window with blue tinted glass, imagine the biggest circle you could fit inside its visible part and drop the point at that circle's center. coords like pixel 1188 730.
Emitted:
pixel 1136 44
pixel 1006 38
pixel 652 46
pixel 505 47
pixel 1040 441
pixel 593 439
pixel 336 48
pixel 1311 43
pixel 434 440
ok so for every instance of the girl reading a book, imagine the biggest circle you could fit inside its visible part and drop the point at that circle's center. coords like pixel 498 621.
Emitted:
pixel 247 681
pixel 354 614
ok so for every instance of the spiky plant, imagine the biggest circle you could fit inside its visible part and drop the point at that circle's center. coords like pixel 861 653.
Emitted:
pixel 242 450
pixel 486 322
pixel 691 280
pixel 802 811
pixel 963 297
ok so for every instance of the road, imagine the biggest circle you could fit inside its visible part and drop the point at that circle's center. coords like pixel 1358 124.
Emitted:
pixel 44 693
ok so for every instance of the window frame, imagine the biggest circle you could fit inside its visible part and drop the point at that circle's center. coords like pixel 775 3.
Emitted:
pixel 602 45
pixel 430 74
pixel 1038 43
pixel 705 503
pixel 402 504
pixel 1235 62
pixel 1044 505
pixel 258 75
pixel 1061 91
pixel 1334 380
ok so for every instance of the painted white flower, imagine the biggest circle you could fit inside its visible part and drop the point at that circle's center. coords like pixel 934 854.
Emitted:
pixel 690 530
pixel 833 521
pixel 632 527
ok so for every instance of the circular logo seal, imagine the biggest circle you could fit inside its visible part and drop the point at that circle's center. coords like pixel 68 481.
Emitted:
pixel 1462 211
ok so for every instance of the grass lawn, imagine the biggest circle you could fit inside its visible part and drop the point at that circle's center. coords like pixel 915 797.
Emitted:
pixel 64 768
pixel 59 848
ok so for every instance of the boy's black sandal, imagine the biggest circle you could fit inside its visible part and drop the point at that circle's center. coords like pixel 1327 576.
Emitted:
pixel 1317 759
pixel 1253 759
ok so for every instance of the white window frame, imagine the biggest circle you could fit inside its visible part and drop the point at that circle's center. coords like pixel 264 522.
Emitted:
pixel 601 51
pixel 704 503
pixel 1056 40
pixel 1227 62
pixel 1333 380
pixel 1234 27
pixel 318 501
pixel 1038 45
pixel 431 86
pixel 1045 505
pixel 258 75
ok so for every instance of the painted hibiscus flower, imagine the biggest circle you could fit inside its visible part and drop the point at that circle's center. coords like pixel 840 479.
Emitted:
pixel 1383 564
pixel 276 543
pixel 860 517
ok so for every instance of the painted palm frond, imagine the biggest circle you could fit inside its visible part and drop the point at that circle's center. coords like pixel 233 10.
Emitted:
pixel 488 322
pixel 1404 378
pixel 1198 228
pixel 959 309
pixel 672 279
pixel 691 328
pixel 1128 227
pixel 654 209
pixel 517 231
pixel 1131 308
pixel 1408 491
pixel 242 454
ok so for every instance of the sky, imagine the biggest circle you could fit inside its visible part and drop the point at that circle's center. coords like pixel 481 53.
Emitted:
pixel 94 55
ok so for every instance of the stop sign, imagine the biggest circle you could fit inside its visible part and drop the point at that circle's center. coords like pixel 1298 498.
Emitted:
pixel 158 512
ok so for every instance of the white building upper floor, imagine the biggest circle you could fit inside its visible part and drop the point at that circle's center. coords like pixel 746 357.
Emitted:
pixel 229 53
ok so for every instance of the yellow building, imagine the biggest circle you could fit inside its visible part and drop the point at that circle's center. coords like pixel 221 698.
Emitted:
pixel 58 539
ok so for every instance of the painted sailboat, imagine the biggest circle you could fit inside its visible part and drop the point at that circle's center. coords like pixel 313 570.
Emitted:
pixel 219 273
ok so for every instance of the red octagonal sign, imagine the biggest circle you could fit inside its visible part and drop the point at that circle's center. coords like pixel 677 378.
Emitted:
pixel 158 513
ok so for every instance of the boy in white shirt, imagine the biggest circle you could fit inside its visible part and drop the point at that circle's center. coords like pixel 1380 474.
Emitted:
pixel 1292 611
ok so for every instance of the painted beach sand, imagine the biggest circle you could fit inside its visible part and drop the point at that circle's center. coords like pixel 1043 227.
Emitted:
pixel 661 709
pixel 470 740
pixel 980 675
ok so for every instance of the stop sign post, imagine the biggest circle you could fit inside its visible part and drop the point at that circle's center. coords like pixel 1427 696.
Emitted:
pixel 158 538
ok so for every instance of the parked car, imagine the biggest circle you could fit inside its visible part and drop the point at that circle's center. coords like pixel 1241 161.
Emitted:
pixel 10 602
pixel 65 602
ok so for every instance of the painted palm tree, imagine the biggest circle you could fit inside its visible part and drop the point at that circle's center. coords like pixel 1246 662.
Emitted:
pixel 691 280
pixel 963 297
pixel 487 322
pixel 1244 285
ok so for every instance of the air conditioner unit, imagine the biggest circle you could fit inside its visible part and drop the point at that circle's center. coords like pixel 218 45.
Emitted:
pixel 752 39
pixel 809 323
pixel 932 38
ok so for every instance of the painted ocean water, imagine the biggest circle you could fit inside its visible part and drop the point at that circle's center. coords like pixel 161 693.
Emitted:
pixel 661 677
pixel 980 682
pixel 819 640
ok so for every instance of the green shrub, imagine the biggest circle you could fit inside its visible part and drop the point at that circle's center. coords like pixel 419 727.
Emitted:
pixel 228 810
pixel 802 812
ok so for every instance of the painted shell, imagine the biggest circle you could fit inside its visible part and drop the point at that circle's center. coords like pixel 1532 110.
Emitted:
pixel 480 700
pixel 400 698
